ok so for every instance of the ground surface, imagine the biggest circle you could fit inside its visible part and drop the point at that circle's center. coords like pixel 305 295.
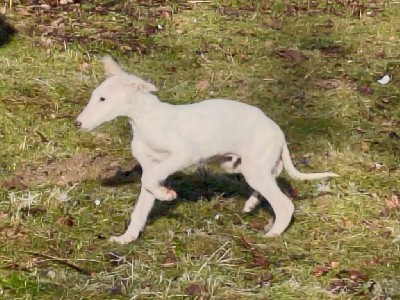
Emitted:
pixel 312 66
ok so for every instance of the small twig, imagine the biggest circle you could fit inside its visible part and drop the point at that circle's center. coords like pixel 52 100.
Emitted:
pixel 62 261
pixel 42 137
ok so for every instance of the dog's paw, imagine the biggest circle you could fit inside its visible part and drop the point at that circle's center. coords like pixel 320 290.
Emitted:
pixel 165 194
pixel 248 207
pixel 268 227
pixel 272 234
pixel 251 203
pixel 122 239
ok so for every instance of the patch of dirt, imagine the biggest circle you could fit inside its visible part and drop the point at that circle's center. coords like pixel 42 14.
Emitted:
pixel 117 25
pixel 357 8
pixel 333 83
pixel 75 169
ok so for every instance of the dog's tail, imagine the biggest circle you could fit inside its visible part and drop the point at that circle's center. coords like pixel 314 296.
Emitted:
pixel 295 174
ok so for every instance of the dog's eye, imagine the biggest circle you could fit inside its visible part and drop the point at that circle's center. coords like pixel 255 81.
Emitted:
pixel 102 99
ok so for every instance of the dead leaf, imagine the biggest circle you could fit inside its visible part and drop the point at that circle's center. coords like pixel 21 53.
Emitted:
pixel 393 202
pixel 84 66
pixel 14 232
pixel 170 69
pixel 195 290
pixel 290 54
pixel 331 49
pixel 254 225
pixel 380 54
pixel 258 260
pixel 246 243
pixel 65 221
pixel 353 274
pixel 170 258
pixel 115 290
pixel 227 11
pixel 328 84
pixel 11 266
pixel 332 264
pixel 261 279
pixel 166 14
pixel 297 256
pixel 380 106
pixel 320 271
pixel 370 167
pixel 386 123
pixel 366 90
pixel 347 224
pixel 384 212
pixel 45 7
pixel 203 85
pixel 3 215
pixel 292 192
pixel 374 262
pixel 370 224
pixel 359 129
pixel 337 286
pixel 386 234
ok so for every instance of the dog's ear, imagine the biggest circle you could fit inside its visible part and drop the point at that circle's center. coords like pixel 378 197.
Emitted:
pixel 139 85
pixel 111 68
pixel 147 87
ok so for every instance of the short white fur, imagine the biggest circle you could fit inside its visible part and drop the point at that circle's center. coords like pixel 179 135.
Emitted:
pixel 168 138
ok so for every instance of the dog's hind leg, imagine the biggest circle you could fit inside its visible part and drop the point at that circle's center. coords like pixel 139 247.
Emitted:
pixel 265 184
pixel 252 202
pixel 254 199
pixel 277 170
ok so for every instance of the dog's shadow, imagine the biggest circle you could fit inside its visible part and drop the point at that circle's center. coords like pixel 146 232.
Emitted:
pixel 198 185
pixel 7 31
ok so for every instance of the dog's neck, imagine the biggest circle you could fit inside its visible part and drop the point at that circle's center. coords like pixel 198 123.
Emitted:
pixel 143 107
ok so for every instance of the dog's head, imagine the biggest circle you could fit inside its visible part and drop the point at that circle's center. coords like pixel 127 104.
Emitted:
pixel 112 98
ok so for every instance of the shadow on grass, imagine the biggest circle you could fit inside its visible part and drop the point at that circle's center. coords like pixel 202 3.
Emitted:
pixel 7 31
pixel 197 186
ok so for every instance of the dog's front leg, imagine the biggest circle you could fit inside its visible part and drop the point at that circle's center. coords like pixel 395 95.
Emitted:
pixel 153 179
pixel 138 218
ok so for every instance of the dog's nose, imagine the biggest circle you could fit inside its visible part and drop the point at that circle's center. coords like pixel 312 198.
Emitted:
pixel 78 124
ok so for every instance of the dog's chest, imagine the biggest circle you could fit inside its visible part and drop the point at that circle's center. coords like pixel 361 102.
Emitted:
pixel 141 147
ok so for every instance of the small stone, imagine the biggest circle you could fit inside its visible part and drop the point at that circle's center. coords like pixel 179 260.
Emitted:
pixel 51 274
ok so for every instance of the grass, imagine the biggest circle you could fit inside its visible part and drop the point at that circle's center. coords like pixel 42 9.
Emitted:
pixel 311 66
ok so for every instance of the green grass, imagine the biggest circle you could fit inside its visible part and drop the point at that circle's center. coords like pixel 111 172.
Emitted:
pixel 342 244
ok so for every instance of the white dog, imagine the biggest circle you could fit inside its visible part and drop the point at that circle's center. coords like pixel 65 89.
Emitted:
pixel 168 138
